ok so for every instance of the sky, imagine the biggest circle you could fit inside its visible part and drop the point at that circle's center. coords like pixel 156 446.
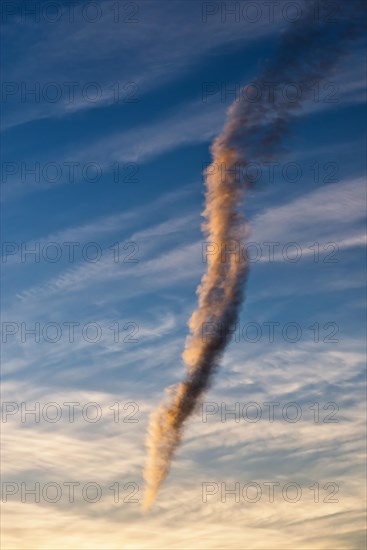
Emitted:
pixel 108 113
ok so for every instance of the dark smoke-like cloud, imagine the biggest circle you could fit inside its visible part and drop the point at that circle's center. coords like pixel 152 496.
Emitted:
pixel 307 53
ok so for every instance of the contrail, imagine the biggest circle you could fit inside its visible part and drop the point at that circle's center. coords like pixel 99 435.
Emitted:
pixel 254 130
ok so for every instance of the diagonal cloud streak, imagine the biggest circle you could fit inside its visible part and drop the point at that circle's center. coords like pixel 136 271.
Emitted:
pixel 254 131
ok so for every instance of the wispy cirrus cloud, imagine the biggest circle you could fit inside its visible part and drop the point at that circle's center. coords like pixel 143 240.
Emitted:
pixel 158 57
pixel 279 452
pixel 336 210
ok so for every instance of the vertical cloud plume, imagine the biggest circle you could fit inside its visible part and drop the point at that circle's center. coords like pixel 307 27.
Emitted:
pixel 254 131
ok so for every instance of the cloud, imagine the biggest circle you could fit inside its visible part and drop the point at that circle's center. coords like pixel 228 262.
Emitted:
pixel 304 453
pixel 158 57
pixel 336 210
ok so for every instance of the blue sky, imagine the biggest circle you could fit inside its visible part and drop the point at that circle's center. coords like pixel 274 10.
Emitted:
pixel 161 142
